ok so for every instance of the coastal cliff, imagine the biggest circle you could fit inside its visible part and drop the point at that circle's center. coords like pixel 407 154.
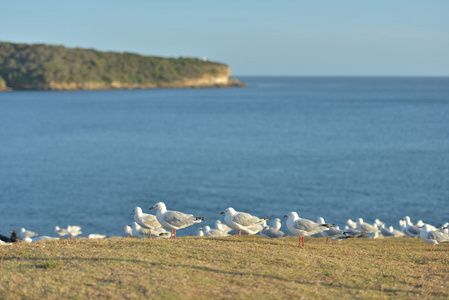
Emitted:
pixel 44 67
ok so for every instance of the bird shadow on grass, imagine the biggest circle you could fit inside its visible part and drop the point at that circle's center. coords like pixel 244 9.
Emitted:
pixel 47 263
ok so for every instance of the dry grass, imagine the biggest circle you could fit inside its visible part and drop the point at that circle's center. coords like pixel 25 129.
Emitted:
pixel 203 268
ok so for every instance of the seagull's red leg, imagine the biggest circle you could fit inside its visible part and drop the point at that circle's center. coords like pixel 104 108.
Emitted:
pixel 171 235
pixel 299 246
pixel 240 233
pixel 175 233
pixel 303 241
pixel 249 236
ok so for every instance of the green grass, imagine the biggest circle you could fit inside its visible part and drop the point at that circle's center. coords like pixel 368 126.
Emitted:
pixel 231 268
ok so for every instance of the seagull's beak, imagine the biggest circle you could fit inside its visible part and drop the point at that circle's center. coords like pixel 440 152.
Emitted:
pixel 152 207
pixel 285 216
pixel 222 213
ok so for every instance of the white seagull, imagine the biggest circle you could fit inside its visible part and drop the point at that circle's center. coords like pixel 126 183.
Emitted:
pixel 255 229
pixel 2 243
pixel 61 231
pixel 96 236
pixel 303 227
pixel 223 227
pixel 200 232
pixel 351 224
pixel 242 221
pixel 366 228
pixel 333 234
pixel 128 230
pixel 138 231
pixel 44 239
pixel 27 233
pixel 273 232
pixel 214 232
pixel 174 220
pixel 147 221
pixel 73 230
pixel 160 233
pixel 431 235
pixel 410 229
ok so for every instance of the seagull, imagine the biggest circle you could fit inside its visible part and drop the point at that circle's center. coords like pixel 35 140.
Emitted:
pixel 61 231
pixel 214 232
pixel 138 231
pixel 334 234
pixel 429 234
pixel 397 233
pixel 378 222
pixel 128 231
pixel 174 220
pixel 44 239
pixel 303 227
pixel 147 221
pixel 386 232
pixel 160 233
pixel 96 236
pixel 2 243
pixel 74 230
pixel 366 228
pixel 242 221
pixel 351 224
pixel 255 229
pixel 320 220
pixel 223 227
pixel 273 232
pixel 353 232
pixel 200 232
pixel 410 229
pixel 27 233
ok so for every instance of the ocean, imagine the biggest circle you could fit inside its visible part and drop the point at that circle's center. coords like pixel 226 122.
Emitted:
pixel 331 147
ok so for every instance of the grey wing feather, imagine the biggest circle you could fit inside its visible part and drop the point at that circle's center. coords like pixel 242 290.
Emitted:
pixel 273 233
pixel 413 230
pixel 246 219
pixel 438 236
pixel 307 225
pixel 151 221
pixel 178 219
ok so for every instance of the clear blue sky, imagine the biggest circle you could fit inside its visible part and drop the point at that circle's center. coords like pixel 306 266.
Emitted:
pixel 254 37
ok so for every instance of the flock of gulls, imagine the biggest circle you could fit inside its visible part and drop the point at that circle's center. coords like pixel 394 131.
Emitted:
pixel 156 226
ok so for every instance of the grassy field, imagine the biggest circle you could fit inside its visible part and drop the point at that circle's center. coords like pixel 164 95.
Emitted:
pixel 205 268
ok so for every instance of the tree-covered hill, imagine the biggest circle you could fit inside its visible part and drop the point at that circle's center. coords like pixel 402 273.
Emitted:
pixel 45 67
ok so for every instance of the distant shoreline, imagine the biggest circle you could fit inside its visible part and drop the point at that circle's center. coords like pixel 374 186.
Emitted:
pixel 57 68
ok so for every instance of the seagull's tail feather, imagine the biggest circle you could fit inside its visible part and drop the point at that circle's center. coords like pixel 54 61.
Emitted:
pixel 327 225
pixel 198 219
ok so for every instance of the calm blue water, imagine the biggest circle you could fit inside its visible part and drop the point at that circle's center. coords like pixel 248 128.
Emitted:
pixel 333 147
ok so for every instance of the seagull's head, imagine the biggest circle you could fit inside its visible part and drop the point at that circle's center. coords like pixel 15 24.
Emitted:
pixel 229 210
pixel 159 206
pixel 292 215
